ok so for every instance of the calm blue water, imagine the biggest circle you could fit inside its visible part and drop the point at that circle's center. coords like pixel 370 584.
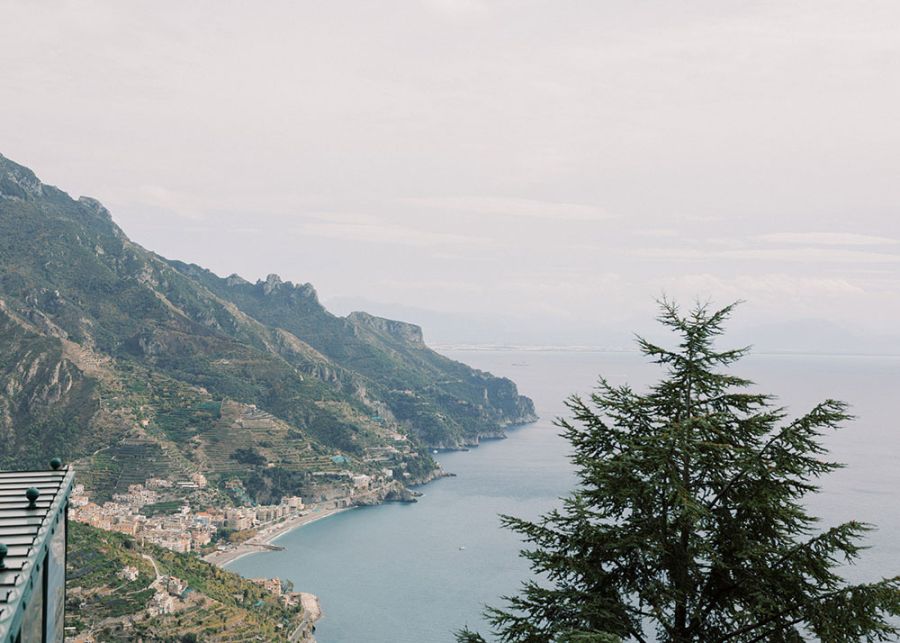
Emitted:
pixel 396 573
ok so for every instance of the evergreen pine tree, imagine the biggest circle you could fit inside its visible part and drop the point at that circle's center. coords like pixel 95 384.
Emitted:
pixel 688 524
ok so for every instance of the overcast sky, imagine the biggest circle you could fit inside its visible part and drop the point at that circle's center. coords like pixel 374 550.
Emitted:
pixel 563 163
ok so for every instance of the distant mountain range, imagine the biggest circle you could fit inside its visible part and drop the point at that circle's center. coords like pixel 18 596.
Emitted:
pixel 140 366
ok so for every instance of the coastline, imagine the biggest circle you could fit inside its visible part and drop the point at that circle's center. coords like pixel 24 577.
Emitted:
pixel 262 541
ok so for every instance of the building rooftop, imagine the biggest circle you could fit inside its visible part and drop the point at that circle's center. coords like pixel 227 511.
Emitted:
pixel 32 509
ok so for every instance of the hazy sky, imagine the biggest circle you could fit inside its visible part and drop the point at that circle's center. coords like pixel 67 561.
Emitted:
pixel 565 162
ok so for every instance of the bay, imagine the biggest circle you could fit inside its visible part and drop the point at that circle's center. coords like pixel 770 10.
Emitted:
pixel 416 573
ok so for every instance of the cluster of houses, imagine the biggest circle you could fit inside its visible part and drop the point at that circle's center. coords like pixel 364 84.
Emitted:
pixel 277 587
pixel 241 518
pixel 184 530
pixel 169 590
pixel 171 593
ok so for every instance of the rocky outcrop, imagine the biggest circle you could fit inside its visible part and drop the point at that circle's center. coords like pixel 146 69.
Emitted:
pixel 18 182
pixel 402 331
pixel 96 208
pixel 274 285
pixel 236 280
pixel 394 492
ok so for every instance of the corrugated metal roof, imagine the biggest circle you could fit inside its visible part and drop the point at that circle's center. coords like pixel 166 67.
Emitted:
pixel 25 528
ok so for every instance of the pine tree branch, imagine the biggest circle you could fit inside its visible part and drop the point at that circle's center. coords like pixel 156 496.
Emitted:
pixel 747 629
pixel 840 535
pixel 832 412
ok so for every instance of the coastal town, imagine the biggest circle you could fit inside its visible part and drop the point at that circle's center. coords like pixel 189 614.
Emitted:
pixel 165 513
pixel 146 513
pixel 182 530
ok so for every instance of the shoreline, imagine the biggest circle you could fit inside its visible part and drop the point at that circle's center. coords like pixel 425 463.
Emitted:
pixel 263 540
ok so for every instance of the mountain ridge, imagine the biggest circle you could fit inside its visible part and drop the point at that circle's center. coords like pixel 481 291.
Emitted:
pixel 116 356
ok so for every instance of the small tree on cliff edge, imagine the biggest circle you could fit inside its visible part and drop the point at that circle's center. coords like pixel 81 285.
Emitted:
pixel 688 521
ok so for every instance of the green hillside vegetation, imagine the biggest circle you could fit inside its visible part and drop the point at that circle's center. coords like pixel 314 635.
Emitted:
pixel 135 366
pixel 219 606
pixel 443 400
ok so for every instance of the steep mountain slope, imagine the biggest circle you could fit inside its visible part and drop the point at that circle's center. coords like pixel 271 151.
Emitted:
pixel 112 354
pixel 444 402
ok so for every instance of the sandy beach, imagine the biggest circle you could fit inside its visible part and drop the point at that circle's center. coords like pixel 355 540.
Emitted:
pixel 262 541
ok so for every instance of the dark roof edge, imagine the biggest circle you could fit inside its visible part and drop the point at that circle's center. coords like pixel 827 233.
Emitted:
pixel 10 615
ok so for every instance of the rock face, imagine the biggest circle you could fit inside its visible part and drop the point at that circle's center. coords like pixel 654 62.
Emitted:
pixel 109 351
pixel 18 182
pixel 398 330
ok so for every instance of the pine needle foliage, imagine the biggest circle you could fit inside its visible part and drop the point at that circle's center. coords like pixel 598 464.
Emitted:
pixel 688 523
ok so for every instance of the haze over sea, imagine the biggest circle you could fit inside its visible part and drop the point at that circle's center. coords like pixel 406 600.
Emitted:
pixel 415 573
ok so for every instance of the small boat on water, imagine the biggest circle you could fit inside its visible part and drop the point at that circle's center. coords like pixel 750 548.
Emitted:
pixel 462 548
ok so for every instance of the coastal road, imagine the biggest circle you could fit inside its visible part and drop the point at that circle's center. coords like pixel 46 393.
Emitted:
pixel 312 612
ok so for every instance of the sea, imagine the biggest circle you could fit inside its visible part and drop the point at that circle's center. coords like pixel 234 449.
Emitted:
pixel 416 573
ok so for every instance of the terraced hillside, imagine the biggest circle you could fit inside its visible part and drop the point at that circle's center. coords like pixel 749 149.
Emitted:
pixel 217 606
pixel 141 367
